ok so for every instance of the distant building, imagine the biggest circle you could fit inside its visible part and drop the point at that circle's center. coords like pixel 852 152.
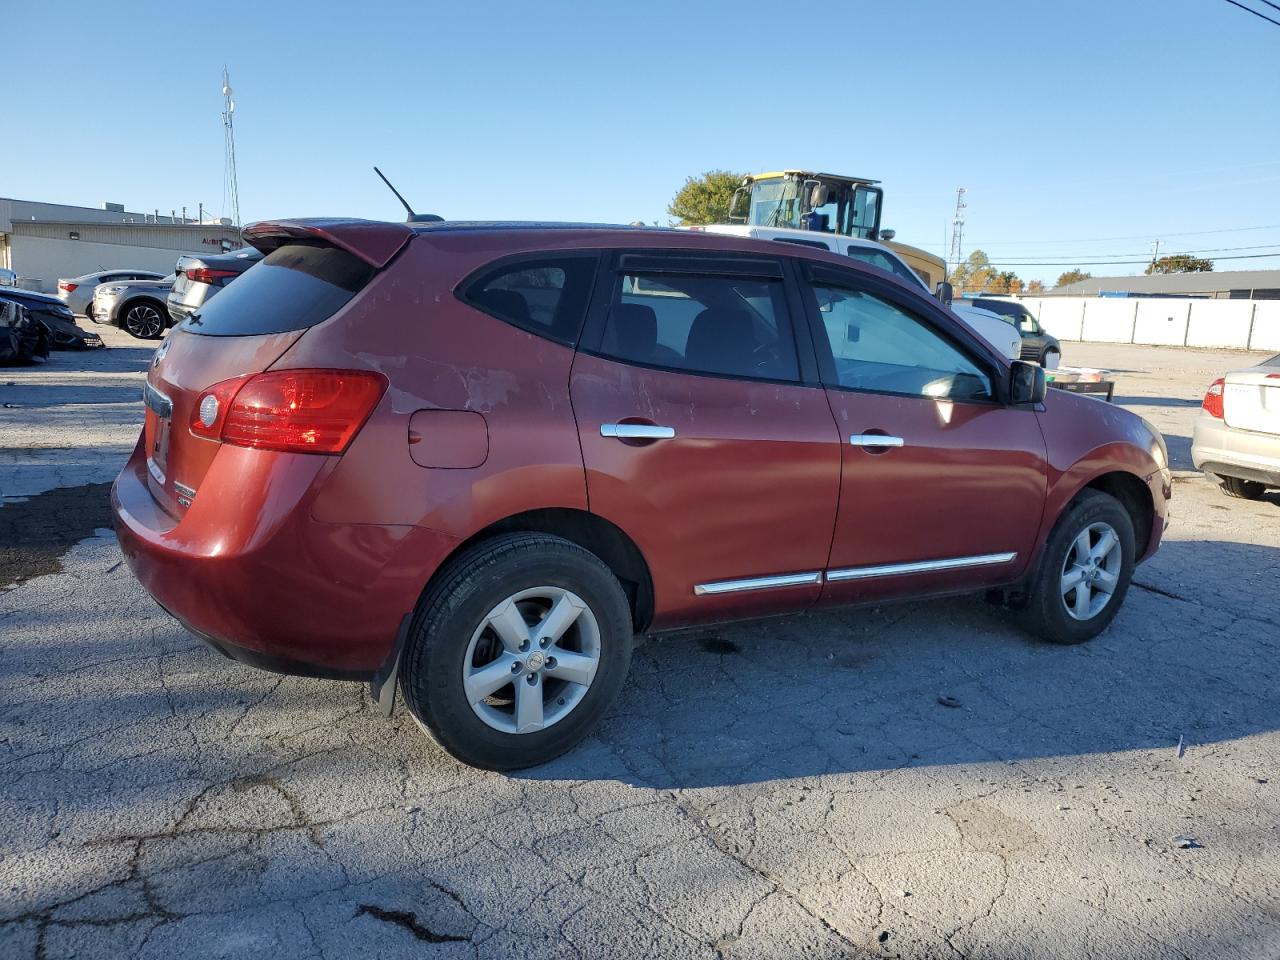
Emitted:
pixel 1225 285
pixel 44 241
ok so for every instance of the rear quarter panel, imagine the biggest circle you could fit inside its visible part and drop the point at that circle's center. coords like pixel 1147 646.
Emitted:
pixel 1086 438
pixel 440 354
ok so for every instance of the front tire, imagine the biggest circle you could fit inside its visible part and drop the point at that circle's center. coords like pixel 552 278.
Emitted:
pixel 144 320
pixel 1242 489
pixel 518 649
pixel 1084 572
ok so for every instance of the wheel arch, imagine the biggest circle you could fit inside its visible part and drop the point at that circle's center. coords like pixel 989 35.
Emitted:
pixel 1134 496
pixel 591 532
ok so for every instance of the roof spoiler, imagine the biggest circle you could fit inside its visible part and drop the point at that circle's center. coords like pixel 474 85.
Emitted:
pixel 376 242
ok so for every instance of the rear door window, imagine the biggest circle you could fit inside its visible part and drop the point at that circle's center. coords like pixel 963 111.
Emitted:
pixel 296 286
pixel 546 295
pixel 734 326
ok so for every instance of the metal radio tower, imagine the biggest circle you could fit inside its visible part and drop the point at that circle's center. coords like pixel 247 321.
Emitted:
pixel 957 232
pixel 230 187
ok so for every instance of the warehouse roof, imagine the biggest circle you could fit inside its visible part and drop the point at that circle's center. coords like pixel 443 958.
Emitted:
pixel 1213 282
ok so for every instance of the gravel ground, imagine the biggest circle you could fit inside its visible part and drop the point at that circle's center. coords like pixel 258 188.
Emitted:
pixel 795 787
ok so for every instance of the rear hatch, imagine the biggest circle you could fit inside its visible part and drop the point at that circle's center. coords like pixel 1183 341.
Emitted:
pixel 1251 398
pixel 304 280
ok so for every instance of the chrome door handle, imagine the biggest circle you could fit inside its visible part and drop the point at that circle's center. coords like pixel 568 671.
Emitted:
pixel 875 440
pixel 636 431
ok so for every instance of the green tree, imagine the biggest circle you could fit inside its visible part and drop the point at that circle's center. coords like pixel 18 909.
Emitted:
pixel 705 199
pixel 974 275
pixel 1180 263
pixel 1072 276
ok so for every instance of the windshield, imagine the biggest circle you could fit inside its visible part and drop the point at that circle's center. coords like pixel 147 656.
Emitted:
pixel 775 203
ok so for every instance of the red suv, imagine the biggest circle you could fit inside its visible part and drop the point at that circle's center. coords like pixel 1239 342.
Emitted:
pixel 474 460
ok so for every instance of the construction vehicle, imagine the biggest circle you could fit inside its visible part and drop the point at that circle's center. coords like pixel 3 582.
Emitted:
pixel 826 203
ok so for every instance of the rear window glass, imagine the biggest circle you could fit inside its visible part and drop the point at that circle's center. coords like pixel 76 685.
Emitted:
pixel 294 287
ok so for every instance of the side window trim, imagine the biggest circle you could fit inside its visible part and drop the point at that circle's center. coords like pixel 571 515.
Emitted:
pixel 813 274
pixel 495 267
pixel 609 277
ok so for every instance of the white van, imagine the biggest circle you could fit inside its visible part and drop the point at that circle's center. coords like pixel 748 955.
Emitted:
pixel 990 326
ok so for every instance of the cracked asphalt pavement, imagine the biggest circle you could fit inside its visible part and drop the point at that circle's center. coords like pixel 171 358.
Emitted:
pixel 910 781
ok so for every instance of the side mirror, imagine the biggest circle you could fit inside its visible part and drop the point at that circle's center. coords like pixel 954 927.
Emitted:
pixel 945 293
pixel 887 235
pixel 1027 383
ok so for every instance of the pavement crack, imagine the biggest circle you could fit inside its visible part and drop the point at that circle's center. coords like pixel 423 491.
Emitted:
pixel 408 920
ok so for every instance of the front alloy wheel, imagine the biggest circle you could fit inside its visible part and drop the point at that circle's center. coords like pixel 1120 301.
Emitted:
pixel 1091 571
pixel 143 321
pixel 1084 571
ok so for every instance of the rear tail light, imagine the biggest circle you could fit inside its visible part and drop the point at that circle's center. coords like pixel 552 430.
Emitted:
pixel 1212 403
pixel 65 287
pixel 297 411
pixel 207 274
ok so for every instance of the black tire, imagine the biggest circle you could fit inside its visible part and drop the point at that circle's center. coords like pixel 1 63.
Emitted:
pixel 88 313
pixel 1045 614
pixel 144 319
pixel 1242 489
pixel 456 605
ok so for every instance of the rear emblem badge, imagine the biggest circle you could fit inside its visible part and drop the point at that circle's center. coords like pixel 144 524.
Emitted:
pixel 164 348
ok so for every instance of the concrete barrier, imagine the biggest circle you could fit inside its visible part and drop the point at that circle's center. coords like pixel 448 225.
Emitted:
pixel 1170 321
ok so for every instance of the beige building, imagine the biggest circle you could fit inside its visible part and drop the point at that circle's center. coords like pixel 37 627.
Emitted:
pixel 42 242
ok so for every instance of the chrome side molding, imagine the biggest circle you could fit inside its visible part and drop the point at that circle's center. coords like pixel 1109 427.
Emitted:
pixel 636 431
pixel 850 573
pixel 758 583
pixel 922 566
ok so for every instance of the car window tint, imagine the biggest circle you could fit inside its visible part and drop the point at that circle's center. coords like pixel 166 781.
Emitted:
pixel 547 297
pixel 731 326
pixel 804 243
pixel 880 348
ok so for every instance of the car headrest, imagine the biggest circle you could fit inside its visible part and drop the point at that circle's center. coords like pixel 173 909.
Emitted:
pixel 721 340
pixel 635 329
pixel 505 303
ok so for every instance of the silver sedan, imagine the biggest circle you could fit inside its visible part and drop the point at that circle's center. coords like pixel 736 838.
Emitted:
pixel 77 293
pixel 1237 435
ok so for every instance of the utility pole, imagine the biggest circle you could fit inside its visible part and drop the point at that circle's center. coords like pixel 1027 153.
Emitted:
pixel 1155 252
pixel 957 232
pixel 230 188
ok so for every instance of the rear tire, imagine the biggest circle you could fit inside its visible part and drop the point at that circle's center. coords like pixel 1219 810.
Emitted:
pixel 144 319
pixel 1242 489
pixel 467 676
pixel 1051 359
pixel 1084 571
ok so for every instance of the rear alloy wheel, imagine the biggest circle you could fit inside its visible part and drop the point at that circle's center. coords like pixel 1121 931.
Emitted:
pixel 143 320
pixel 1242 489
pixel 1084 572
pixel 518 649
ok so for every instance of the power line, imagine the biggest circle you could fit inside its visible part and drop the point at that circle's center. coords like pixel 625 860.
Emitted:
pixel 1111 263
pixel 1270 4
pixel 1255 12
pixel 1134 236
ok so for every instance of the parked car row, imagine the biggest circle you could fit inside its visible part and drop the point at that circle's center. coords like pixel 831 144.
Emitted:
pixel 1237 434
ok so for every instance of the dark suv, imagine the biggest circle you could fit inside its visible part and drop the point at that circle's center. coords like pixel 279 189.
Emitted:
pixel 476 459
pixel 1037 346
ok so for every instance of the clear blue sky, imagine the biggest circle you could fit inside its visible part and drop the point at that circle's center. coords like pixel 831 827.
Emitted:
pixel 1066 122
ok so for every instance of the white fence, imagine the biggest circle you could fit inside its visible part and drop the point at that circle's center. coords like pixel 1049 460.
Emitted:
pixel 1178 322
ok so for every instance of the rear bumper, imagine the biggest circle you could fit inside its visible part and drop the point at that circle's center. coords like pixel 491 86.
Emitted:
pixel 248 570
pixel 1219 449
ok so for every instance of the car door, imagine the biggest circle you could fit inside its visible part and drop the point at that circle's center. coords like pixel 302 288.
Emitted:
pixel 705 433
pixel 942 483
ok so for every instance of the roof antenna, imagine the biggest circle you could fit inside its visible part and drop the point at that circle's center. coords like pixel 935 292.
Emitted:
pixel 413 217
